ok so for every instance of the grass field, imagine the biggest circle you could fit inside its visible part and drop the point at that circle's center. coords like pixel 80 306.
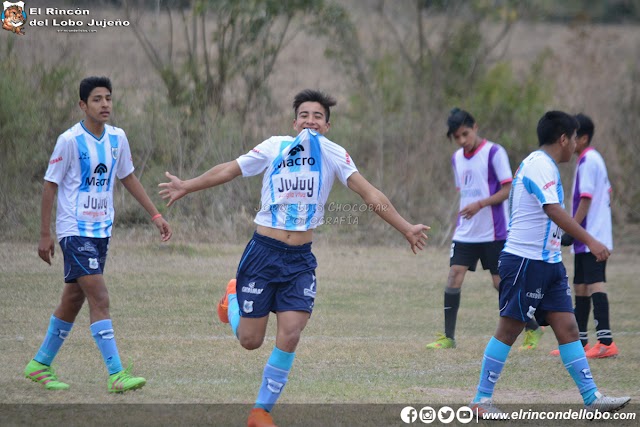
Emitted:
pixel 376 309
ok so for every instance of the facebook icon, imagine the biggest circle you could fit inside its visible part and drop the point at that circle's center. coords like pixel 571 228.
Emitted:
pixel 408 414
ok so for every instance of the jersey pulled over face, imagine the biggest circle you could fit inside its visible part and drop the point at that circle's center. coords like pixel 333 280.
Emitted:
pixel 298 175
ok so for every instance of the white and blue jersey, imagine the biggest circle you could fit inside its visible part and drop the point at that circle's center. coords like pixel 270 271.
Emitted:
pixel 85 167
pixel 298 175
pixel 532 234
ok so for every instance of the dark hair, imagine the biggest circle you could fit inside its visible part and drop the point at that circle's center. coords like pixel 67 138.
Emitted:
pixel 553 125
pixel 90 83
pixel 586 126
pixel 310 95
pixel 457 119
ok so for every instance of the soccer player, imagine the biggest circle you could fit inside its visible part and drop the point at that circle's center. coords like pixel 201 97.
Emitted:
pixel 533 278
pixel 483 177
pixel 277 270
pixel 82 170
pixel 592 210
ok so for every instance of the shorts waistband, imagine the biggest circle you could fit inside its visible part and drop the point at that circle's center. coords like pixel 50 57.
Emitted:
pixel 280 246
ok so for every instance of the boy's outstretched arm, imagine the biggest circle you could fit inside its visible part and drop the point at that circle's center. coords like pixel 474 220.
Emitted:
pixel 380 204
pixel 176 188
pixel 133 186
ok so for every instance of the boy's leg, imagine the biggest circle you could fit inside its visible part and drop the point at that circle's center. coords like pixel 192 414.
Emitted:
pixel 276 371
pixel 495 356
pixel 95 290
pixel 572 353
pixel 452 295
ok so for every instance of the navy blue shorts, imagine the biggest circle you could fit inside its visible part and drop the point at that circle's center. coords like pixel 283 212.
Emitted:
pixel 531 288
pixel 83 256
pixel 273 276
pixel 587 270
pixel 468 254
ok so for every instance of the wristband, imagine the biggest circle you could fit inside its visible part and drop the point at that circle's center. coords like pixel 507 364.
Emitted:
pixel 156 216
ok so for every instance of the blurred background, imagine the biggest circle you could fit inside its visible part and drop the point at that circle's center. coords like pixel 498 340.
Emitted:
pixel 199 82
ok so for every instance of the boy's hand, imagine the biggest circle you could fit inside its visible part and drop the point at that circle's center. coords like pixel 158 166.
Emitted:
pixel 46 249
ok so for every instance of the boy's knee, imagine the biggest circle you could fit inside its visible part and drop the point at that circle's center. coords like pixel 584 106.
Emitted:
pixel 250 342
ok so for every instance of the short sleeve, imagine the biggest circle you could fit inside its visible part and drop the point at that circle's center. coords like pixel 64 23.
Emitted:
pixel 60 160
pixel 588 174
pixel 124 167
pixel 257 160
pixel 501 166
pixel 342 161
pixel 542 181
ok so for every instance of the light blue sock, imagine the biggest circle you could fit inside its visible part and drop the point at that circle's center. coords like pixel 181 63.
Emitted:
pixel 274 378
pixel 575 361
pixel 495 354
pixel 57 332
pixel 233 312
pixel 102 332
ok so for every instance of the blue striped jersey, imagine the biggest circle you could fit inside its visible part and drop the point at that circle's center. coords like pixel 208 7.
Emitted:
pixel 531 233
pixel 84 167
pixel 298 175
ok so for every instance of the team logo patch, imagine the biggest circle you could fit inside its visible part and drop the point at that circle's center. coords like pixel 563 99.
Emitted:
pixel 247 307
pixel 274 386
pixel 586 372
pixel 114 153
pixel 493 377
pixel 531 312
pixel 14 17
pixel 93 263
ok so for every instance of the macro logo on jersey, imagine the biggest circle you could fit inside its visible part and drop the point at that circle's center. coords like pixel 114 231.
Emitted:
pixel 14 17
pixel 92 181
pixel 298 161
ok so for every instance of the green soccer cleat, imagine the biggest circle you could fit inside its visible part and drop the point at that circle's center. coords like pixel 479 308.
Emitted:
pixel 531 339
pixel 442 342
pixel 45 375
pixel 123 381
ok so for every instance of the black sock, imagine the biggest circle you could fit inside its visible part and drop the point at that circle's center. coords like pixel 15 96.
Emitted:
pixel 451 306
pixel 601 316
pixel 582 310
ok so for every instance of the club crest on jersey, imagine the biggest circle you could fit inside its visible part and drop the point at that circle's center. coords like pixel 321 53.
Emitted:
pixel 114 153
pixel 93 263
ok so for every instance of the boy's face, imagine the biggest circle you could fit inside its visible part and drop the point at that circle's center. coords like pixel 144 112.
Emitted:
pixel 311 115
pixel 466 137
pixel 582 142
pixel 568 145
pixel 98 105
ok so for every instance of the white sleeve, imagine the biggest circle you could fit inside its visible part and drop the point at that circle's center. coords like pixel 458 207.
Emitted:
pixel 124 167
pixel 257 160
pixel 588 173
pixel 542 182
pixel 502 166
pixel 343 163
pixel 60 160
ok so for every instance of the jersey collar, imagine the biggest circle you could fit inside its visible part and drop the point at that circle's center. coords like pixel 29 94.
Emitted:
pixel 478 148
pixel 89 132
